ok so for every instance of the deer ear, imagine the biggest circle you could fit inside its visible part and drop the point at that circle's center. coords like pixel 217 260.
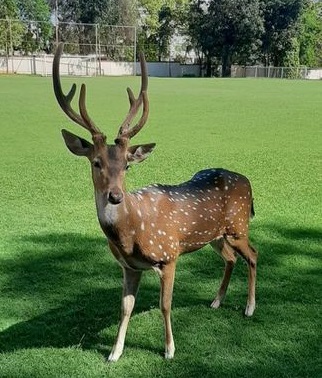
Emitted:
pixel 136 154
pixel 77 145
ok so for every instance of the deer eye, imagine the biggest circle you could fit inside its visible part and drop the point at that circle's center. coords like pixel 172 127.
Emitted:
pixel 127 167
pixel 96 163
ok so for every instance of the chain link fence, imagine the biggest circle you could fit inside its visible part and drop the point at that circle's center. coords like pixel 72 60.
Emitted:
pixel 277 72
pixel 90 49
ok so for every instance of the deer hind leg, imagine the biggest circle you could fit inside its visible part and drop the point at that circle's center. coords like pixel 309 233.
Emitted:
pixel 167 274
pixel 249 254
pixel 228 255
pixel 131 280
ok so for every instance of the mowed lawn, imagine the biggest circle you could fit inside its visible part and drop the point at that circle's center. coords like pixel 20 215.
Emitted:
pixel 60 288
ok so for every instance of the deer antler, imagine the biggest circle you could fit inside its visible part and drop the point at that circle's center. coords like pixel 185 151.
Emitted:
pixel 125 130
pixel 64 101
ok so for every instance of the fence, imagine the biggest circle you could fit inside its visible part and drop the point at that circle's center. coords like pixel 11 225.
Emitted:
pixel 277 72
pixel 91 66
pixel 90 50
pixel 27 47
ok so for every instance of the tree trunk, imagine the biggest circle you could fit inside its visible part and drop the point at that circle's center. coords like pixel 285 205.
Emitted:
pixel 208 66
pixel 226 62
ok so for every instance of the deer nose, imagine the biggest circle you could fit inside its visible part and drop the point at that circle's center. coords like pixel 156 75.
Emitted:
pixel 115 197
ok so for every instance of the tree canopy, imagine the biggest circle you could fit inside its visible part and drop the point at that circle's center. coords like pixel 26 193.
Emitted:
pixel 158 21
pixel 272 32
pixel 310 35
pixel 226 30
pixel 220 32
pixel 17 29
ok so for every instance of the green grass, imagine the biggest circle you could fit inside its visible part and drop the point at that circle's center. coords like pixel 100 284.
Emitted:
pixel 59 287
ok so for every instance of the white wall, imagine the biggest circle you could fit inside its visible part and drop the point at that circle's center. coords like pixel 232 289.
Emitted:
pixel 42 65
pixel 314 74
pixel 85 66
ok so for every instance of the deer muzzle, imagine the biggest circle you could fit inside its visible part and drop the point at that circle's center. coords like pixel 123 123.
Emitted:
pixel 115 196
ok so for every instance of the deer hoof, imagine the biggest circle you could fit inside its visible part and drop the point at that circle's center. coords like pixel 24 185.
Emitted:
pixel 215 303
pixel 113 357
pixel 250 308
pixel 169 352
pixel 168 355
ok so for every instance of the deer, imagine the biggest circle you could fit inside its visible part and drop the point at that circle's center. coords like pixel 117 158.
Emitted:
pixel 149 228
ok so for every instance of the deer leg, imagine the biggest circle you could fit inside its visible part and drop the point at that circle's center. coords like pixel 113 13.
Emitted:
pixel 249 254
pixel 131 280
pixel 167 274
pixel 228 255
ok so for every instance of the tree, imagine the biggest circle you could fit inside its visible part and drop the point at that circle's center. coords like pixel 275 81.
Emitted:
pixel 8 9
pixel 310 35
pixel 199 25
pixel 36 16
pixel 118 41
pixel 226 30
pixel 281 23
pixel 77 19
pixel 11 32
pixel 159 21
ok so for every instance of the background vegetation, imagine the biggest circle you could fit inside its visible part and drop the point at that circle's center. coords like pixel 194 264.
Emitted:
pixel 220 32
pixel 60 288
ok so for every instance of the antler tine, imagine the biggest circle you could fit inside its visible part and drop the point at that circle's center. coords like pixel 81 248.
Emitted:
pixel 83 111
pixel 65 100
pixel 125 131
pixel 135 129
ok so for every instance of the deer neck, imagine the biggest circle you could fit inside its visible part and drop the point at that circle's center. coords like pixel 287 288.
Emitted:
pixel 116 220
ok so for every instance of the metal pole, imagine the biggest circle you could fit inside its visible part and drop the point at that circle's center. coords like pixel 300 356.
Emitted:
pixel 7 48
pixel 56 17
pixel 95 50
pixel 134 58
pixel 11 45
pixel 99 51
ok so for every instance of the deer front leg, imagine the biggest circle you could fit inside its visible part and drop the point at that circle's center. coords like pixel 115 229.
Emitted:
pixel 131 280
pixel 167 280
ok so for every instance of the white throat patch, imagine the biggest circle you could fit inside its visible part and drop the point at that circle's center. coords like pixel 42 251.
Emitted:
pixel 107 213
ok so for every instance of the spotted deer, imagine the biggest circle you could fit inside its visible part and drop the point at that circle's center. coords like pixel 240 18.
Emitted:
pixel 151 227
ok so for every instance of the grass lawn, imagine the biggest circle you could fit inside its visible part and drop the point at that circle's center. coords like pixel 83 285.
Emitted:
pixel 60 288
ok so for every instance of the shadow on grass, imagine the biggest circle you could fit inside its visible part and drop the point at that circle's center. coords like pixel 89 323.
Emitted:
pixel 79 274
pixel 289 266
pixel 76 272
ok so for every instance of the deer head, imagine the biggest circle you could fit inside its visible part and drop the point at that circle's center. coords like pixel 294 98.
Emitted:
pixel 108 161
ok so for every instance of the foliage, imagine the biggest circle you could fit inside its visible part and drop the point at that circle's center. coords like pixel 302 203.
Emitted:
pixel 227 30
pixel 77 19
pixel 310 35
pixel 159 21
pixel 272 32
pixel 111 12
pixel 281 27
pixel 122 12
pixel 198 28
pixel 37 34
pixel 11 33
pixel 8 9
